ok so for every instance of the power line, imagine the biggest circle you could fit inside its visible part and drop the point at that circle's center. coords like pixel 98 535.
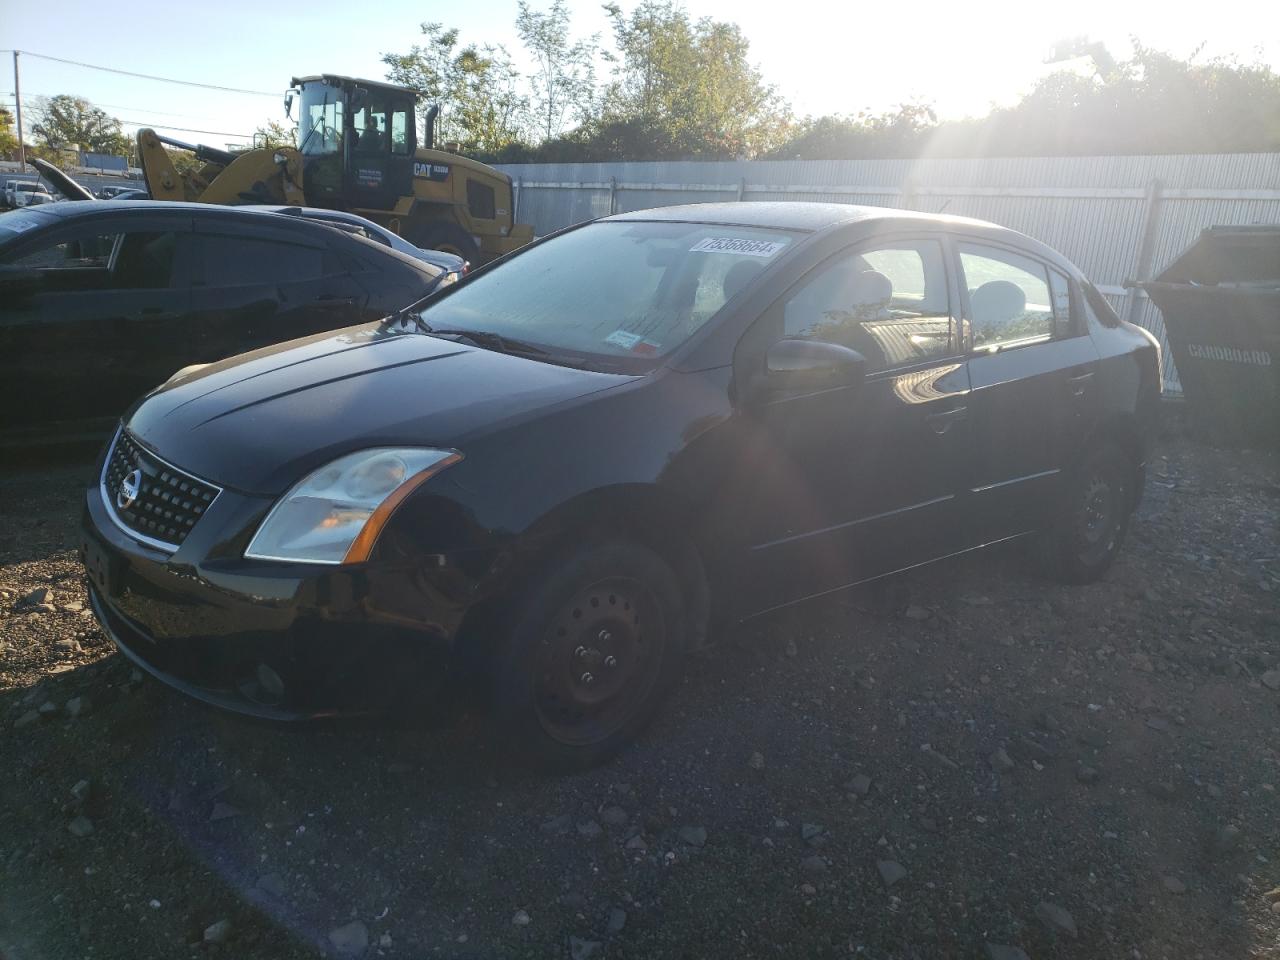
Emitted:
pixel 27 98
pixel 158 123
pixel 147 76
pixel 165 126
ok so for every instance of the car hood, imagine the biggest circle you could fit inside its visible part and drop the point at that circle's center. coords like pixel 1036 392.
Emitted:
pixel 259 422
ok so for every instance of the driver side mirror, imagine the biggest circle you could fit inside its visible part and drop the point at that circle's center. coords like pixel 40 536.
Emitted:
pixel 793 365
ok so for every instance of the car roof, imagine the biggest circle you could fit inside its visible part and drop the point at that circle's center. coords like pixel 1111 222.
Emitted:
pixel 84 208
pixel 786 215
pixel 814 217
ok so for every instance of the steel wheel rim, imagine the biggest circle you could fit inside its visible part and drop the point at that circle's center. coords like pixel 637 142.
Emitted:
pixel 598 661
pixel 1097 518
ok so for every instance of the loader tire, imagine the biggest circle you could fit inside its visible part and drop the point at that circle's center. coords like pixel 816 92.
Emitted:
pixel 445 236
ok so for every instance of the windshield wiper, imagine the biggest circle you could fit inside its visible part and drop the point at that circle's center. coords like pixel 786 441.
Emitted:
pixel 486 340
pixel 489 341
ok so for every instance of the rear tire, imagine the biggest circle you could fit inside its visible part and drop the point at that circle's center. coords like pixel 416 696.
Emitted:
pixel 446 236
pixel 1094 517
pixel 590 651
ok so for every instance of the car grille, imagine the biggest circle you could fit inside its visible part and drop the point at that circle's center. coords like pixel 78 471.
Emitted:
pixel 159 503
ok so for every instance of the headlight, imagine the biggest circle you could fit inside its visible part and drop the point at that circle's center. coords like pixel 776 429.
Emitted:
pixel 335 514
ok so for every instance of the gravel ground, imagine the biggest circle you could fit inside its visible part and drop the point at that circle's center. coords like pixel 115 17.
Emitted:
pixel 969 762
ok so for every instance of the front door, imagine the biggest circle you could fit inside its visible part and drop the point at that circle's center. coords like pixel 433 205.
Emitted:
pixel 856 482
pixel 102 323
pixel 1034 401
pixel 380 159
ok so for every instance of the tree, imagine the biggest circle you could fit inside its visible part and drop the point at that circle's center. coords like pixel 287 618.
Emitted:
pixel 273 133
pixel 564 84
pixel 692 80
pixel 8 134
pixel 481 106
pixel 67 121
pixel 1151 102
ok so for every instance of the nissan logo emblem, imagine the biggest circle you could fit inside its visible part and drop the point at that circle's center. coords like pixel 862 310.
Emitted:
pixel 129 488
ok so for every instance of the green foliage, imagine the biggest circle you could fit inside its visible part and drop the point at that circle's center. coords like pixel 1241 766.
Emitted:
pixel 1149 103
pixel 563 84
pixel 66 121
pixel 690 80
pixel 275 134
pixel 482 108
pixel 681 88
pixel 8 135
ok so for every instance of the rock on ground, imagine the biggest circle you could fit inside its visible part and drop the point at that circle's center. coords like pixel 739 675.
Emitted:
pixel 351 939
pixel 1056 918
pixel 217 932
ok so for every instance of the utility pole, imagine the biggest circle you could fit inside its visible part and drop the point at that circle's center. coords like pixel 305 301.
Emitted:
pixel 17 102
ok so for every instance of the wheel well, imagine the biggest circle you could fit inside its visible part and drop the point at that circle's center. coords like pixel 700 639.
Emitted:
pixel 1123 432
pixel 639 514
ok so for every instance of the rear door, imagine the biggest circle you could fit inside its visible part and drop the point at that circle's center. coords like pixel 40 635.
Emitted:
pixel 261 285
pixel 1032 366
pixel 103 323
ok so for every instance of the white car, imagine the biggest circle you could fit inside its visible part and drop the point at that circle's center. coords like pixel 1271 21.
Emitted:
pixel 26 193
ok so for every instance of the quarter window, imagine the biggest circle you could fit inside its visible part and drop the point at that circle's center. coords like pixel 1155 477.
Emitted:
pixel 1009 298
pixel 888 303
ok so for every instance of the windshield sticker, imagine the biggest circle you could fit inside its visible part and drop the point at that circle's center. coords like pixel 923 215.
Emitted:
pixel 646 348
pixel 738 245
pixel 620 338
pixel 19 224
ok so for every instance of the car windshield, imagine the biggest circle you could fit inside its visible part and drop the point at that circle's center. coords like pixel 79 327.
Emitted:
pixel 613 290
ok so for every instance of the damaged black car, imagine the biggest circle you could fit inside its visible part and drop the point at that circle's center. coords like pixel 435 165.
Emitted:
pixel 559 474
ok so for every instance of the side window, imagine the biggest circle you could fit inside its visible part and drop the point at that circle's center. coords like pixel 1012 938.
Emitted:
pixel 370 129
pixel 145 261
pixel 89 249
pixel 480 200
pixel 889 303
pixel 400 132
pixel 1009 299
pixel 239 261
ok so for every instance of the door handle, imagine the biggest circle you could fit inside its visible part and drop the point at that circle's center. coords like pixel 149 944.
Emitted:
pixel 941 422
pixel 1079 383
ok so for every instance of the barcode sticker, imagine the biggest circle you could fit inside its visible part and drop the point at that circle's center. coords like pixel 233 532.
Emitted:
pixel 738 245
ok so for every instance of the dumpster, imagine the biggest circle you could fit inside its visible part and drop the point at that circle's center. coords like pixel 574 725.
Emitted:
pixel 1221 305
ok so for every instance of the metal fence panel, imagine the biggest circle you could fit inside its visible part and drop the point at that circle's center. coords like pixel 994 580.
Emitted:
pixel 1094 209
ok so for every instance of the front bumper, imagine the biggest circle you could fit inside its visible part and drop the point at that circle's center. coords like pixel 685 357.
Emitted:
pixel 272 640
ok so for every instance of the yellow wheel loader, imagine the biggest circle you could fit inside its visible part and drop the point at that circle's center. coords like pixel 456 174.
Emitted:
pixel 357 151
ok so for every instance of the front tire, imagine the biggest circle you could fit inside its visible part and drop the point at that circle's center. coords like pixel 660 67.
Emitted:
pixel 1094 517
pixel 592 648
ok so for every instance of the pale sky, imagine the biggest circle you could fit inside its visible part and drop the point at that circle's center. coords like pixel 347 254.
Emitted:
pixel 822 57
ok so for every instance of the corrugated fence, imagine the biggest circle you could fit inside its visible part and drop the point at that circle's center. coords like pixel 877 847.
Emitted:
pixel 1117 218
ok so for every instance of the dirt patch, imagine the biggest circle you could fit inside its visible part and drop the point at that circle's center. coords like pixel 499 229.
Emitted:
pixel 967 757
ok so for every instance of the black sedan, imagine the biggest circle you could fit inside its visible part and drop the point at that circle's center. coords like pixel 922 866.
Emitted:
pixel 100 301
pixel 556 479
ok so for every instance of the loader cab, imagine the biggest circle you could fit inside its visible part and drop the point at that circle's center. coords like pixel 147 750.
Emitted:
pixel 357 139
